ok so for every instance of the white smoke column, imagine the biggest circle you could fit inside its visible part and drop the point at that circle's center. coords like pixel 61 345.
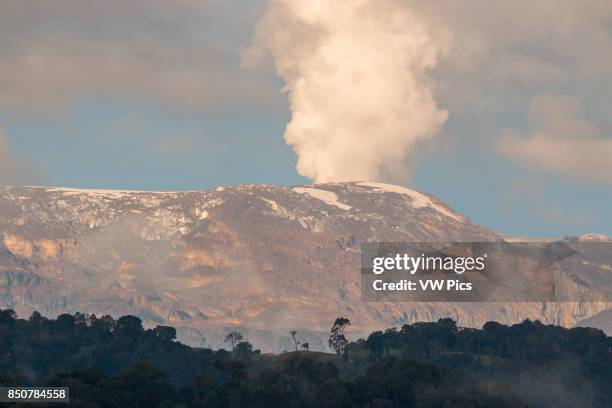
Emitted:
pixel 355 73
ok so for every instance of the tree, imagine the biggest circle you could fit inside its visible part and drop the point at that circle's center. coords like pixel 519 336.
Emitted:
pixel 243 350
pixel 7 316
pixel 142 385
pixel 165 333
pixel 233 338
pixel 65 322
pixel 36 319
pixel 293 333
pixel 376 343
pixel 337 340
pixel 129 326
pixel 305 346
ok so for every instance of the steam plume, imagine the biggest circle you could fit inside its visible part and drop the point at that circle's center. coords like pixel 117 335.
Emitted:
pixel 355 71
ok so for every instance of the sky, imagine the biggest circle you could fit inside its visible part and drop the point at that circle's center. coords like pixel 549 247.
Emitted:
pixel 501 109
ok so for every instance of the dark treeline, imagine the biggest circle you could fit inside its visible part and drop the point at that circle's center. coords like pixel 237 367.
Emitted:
pixel 117 363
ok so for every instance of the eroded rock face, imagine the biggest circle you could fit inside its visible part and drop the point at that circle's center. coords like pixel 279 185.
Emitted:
pixel 265 259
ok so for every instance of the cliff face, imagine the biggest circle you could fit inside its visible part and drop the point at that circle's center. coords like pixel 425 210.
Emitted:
pixel 265 259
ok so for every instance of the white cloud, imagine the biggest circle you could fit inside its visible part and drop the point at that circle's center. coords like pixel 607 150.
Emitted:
pixel 368 79
pixel 560 140
pixel 356 74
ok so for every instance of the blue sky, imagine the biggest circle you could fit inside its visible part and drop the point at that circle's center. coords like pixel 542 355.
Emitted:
pixel 152 98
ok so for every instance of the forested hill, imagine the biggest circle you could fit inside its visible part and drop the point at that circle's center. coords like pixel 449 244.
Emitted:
pixel 117 363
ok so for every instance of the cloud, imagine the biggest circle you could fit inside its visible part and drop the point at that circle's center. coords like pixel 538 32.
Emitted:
pixel 356 75
pixel 176 54
pixel 366 78
pixel 505 51
pixel 369 81
pixel 560 140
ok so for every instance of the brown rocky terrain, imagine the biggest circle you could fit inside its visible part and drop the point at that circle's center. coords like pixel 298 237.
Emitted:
pixel 264 259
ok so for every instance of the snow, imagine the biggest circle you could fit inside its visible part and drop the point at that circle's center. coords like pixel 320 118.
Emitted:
pixel 578 238
pixel 328 197
pixel 67 191
pixel 594 237
pixel 513 238
pixel 278 209
pixel 418 200
pixel 101 192
pixel 273 204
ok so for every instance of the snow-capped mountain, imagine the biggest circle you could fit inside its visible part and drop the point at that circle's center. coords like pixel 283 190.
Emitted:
pixel 265 259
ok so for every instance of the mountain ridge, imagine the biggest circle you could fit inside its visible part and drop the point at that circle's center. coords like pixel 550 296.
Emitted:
pixel 261 258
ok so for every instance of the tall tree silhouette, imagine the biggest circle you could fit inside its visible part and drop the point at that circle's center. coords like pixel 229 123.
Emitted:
pixel 295 342
pixel 233 339
pixel 337 340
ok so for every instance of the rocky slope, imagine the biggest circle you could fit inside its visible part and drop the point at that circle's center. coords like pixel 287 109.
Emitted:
pixel 264 259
